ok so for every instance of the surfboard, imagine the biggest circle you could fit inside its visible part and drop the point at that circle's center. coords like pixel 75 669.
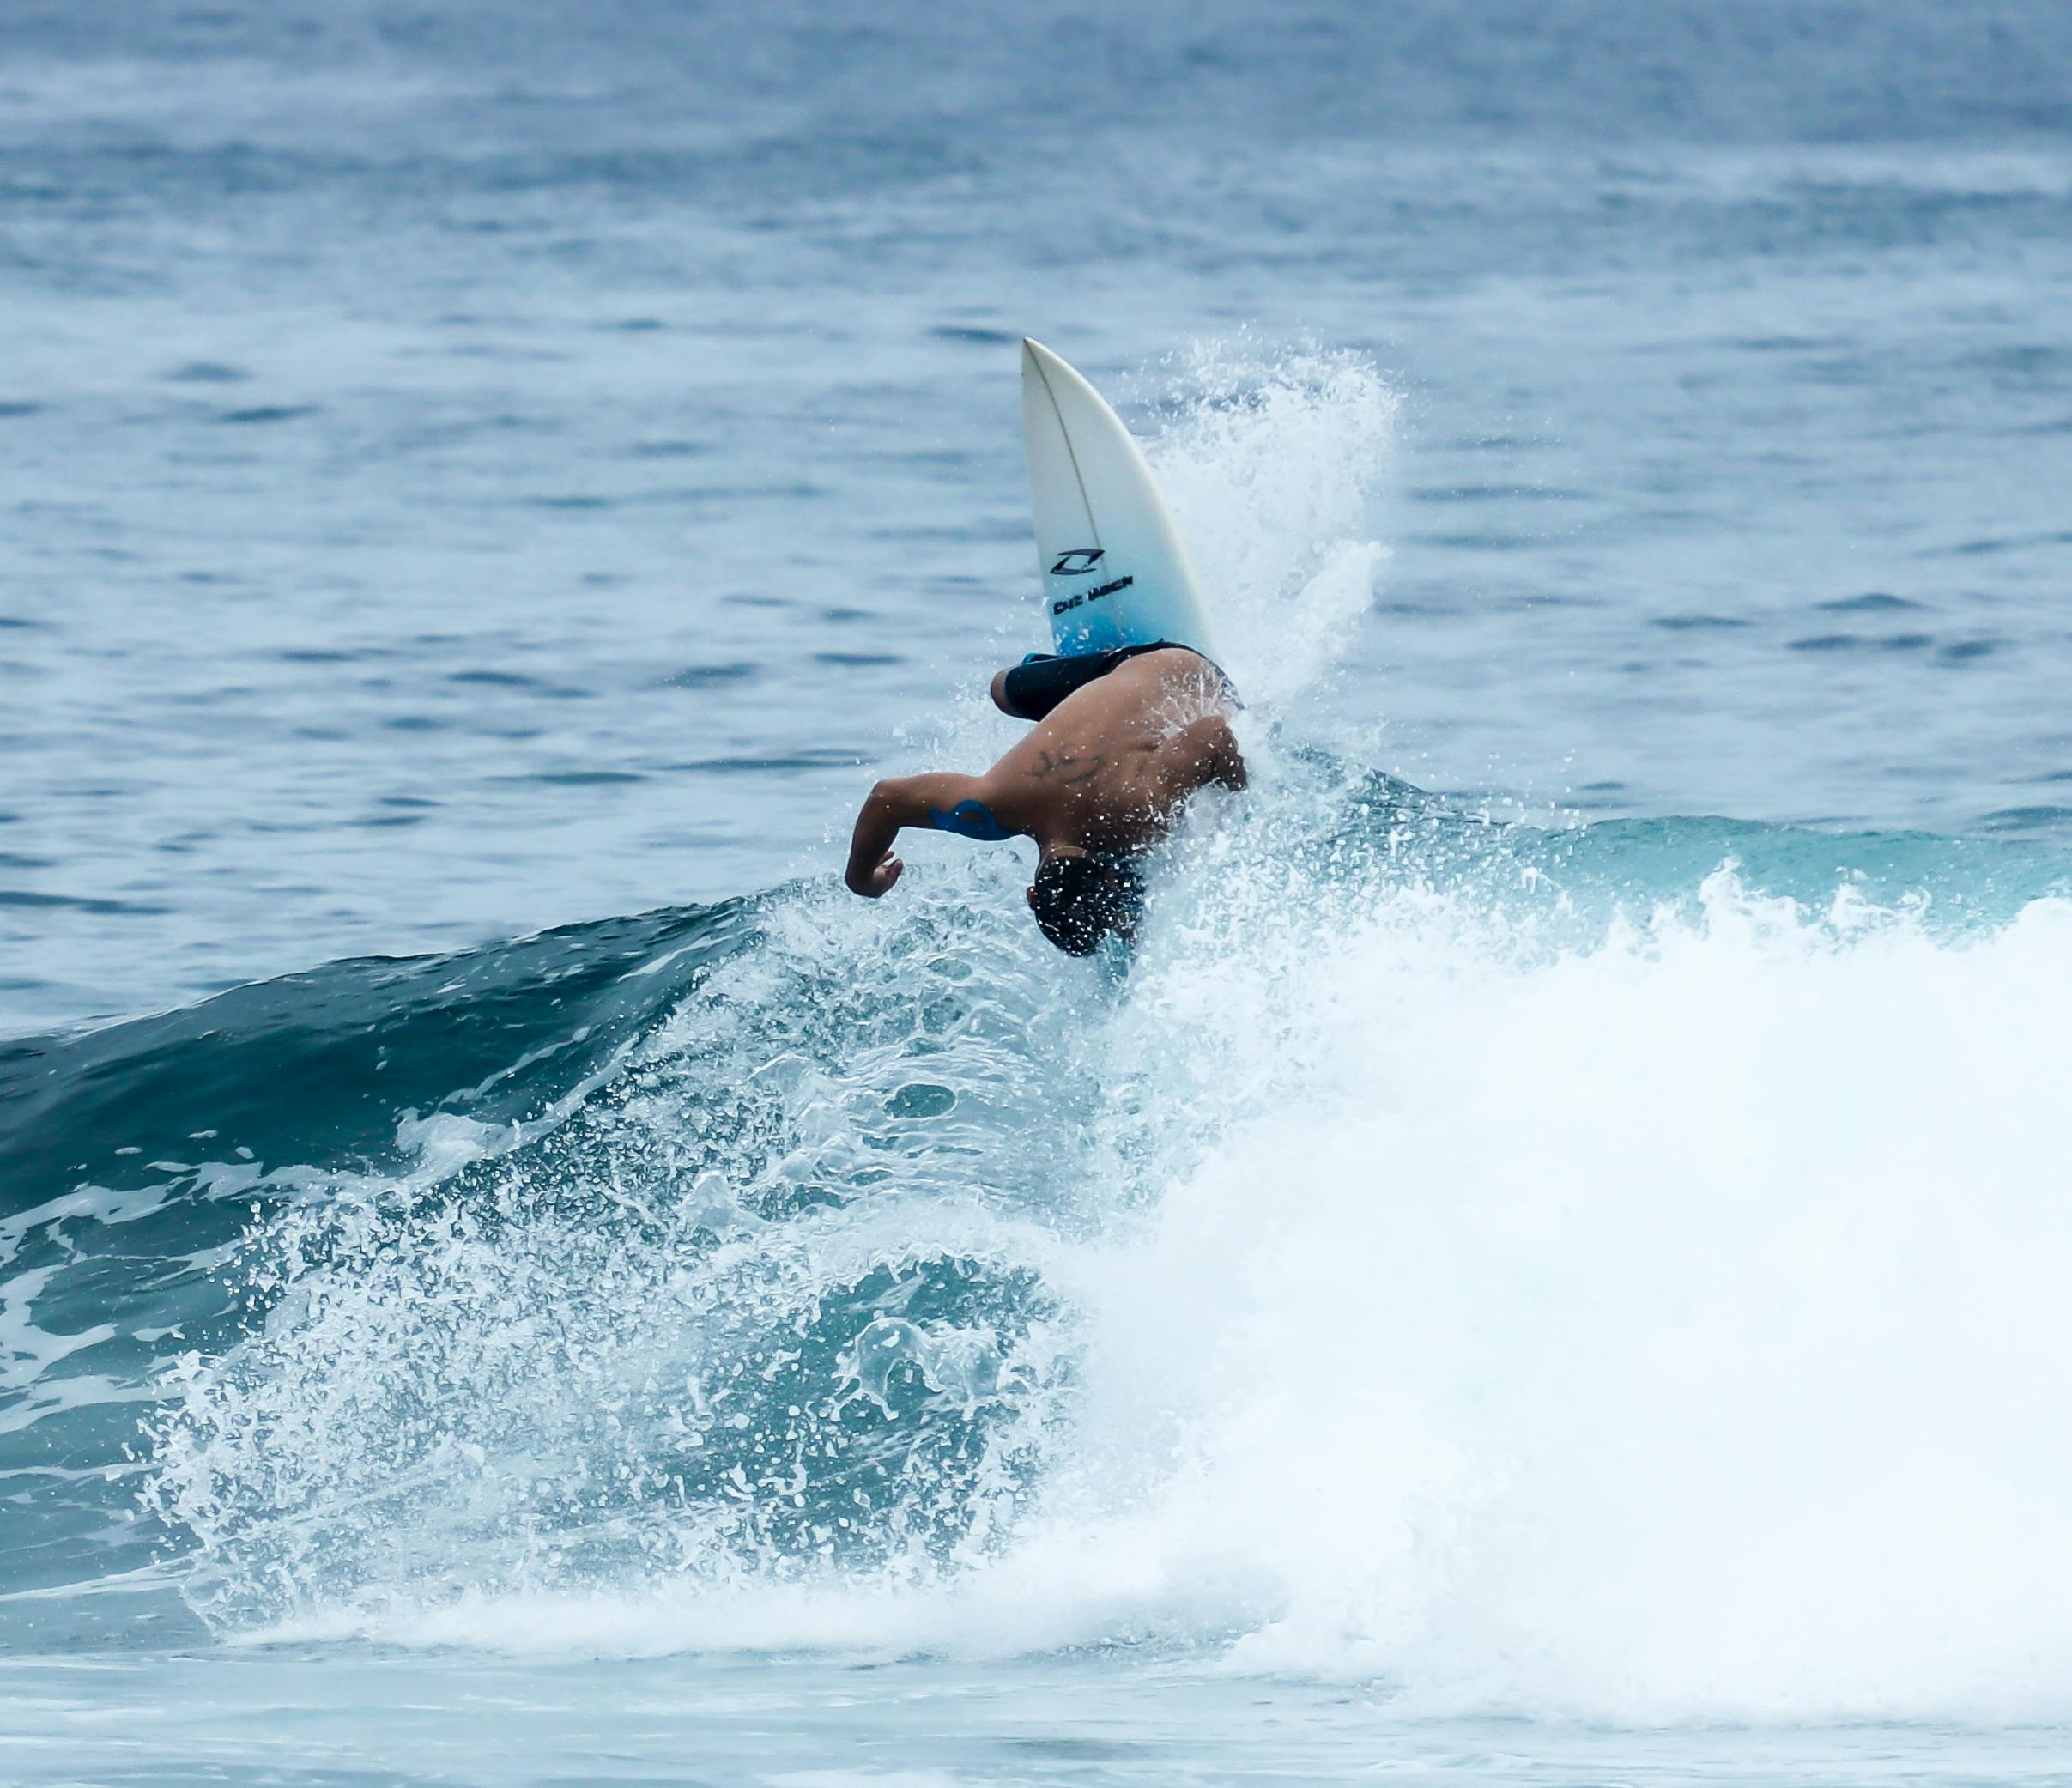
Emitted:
pixel 1114 568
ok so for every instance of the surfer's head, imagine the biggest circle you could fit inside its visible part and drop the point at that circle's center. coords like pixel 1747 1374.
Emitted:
pixel 1080 896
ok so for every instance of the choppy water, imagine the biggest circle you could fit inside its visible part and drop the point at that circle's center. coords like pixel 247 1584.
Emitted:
pixel 1521 1281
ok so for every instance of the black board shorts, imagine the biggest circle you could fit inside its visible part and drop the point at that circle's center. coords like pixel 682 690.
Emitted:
pixel 1041 681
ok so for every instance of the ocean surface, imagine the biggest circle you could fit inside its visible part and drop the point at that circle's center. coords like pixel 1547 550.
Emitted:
pixel 1549 1265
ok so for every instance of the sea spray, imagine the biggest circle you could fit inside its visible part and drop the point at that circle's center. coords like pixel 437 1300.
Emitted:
pixel 634 1344
pixel 1277 463
pixel 1666 1328
pixel 1602 1269
pixel 1383 1283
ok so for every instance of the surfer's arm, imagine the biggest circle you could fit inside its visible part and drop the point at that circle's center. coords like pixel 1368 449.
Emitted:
pixel 899 801
pixel 1215 751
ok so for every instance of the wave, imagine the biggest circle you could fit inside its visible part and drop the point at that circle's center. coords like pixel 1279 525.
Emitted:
pixel 1608 1270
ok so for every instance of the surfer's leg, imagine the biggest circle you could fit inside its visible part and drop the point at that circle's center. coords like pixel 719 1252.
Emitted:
pixel 1031 689
pixel 999 686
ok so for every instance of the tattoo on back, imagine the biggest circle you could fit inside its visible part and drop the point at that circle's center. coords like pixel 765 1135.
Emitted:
pixel 1056 764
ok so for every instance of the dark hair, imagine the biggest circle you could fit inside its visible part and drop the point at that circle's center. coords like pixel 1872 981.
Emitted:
pixel 1079 899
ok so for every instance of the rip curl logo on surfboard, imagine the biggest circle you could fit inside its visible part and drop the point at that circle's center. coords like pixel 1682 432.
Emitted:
pixel 1078 562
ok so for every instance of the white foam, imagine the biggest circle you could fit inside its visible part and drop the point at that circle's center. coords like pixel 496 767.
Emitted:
pixel 1668 1329
pixel 1276 469
pixel 1652 1317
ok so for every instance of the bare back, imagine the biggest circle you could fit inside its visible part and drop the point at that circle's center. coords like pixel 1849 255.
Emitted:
pixel 1112 765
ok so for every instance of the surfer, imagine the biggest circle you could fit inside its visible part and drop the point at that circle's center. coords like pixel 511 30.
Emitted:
pixel 1122 739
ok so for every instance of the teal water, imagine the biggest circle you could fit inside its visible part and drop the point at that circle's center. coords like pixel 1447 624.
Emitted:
pixel 795 1334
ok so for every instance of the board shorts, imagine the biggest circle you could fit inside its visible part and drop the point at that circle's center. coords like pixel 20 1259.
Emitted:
pixel 1042 680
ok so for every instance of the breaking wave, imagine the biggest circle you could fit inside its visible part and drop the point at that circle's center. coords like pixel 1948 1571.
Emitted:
pixel 1611 1270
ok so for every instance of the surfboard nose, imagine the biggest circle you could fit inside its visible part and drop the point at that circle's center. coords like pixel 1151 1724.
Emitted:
pixel 1114 570
pixel 1046 377
pixel 1040 368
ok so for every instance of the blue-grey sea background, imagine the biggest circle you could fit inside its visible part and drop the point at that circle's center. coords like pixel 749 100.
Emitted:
pixel 1548 1268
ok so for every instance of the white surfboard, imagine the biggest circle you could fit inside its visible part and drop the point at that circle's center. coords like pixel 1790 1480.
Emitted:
pixel 1115 571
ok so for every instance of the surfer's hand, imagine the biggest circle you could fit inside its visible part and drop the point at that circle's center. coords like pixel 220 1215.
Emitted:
pixel 877 882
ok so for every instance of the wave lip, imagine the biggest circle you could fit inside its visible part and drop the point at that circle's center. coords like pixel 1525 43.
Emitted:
pixel 1637 1313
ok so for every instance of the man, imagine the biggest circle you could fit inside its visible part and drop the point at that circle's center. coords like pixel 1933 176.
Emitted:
pixel 1122 739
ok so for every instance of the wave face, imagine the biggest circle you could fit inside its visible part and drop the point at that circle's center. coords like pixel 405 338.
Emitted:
pixel 1607 1269
pixel 1613 1269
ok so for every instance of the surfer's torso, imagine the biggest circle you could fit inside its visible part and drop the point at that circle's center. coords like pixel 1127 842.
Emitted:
pixel 1111 767
pixel 1108 769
